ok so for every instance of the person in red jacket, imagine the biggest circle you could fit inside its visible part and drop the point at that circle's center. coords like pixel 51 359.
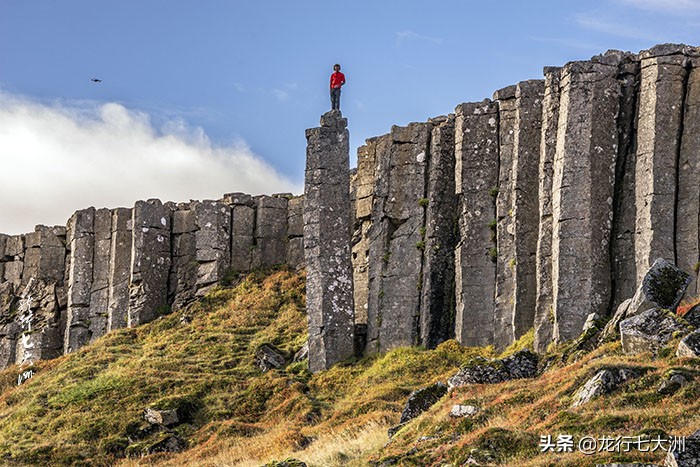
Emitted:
pixel 337 81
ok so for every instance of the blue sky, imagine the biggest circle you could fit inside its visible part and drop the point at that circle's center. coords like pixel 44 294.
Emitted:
pixel 201 98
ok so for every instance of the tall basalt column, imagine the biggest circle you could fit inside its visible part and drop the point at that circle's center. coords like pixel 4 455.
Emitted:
pixel 526 156
pixel 505 248
pixel 582 194
pixel 543 320
pixel 150 262
pixel 438 286
pixel 365 185
pixel 396 256
pixel 119 268
pixel 623 262
pixel 688 204
pixel 212 242
pixel 270 231
pixel 242 230
pixel 329 290
pixel 81 238
pixel 662 91
pixel 99 296
pixel 476 178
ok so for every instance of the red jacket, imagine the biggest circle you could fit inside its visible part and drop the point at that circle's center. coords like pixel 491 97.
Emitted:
pixel 337 80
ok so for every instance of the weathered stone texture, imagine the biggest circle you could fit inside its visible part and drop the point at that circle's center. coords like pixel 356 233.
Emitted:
pixel 212 242
pixel 544 318
pixel 688 198
pixel 99 295
pixel 396 259
pixel 366 180
pixel 270 248
pixel 329 295
pixel 295 232
pixel 81 238
pixel 623 262
pixel 526 151
pixel 582 195
pixel 119 268
pixel 242 232
pixel 505 254
pixel 476 179
pixel 661 98
pixel 150 262
pixel 438 237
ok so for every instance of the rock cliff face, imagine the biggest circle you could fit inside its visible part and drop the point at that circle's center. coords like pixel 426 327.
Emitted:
pixel 531 210
pixel 63 287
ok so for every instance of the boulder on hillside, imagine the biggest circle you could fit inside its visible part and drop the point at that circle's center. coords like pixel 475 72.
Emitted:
pixel 459 411
pixel 650 330
pixel 692 316
pixel 687 457
pixel 689 346
pixel 604 382
pixel 268 357
pixel 421 400
pixel 418 402
pixel 479 370
pixel 672 383
pixel 663 286
pixel 161 417
pixel 169 443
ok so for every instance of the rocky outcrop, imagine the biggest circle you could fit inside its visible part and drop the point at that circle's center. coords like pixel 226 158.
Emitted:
pixel 650 331
pixel 63 287
pixel 421 400
pixel 479 370
pixel 689 346
pixel 604 382
pixel 689 456
pixel 329 286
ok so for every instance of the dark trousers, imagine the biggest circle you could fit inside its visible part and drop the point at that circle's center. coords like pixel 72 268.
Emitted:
pixel 335 99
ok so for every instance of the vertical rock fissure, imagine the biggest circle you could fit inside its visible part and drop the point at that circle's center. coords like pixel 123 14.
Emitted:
pixel 679 148
pixel 621 251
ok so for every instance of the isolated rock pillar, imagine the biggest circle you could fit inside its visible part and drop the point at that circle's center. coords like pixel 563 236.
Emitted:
pixel 329 291
pixel 476 181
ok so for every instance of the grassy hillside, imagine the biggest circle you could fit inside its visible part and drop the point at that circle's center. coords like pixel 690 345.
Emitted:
pixel 87 408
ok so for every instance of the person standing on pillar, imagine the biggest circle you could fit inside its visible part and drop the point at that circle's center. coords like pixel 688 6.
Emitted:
pixel 337 81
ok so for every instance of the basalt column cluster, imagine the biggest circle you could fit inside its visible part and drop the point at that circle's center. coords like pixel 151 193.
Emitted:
pixel 63 287
pixel 536 209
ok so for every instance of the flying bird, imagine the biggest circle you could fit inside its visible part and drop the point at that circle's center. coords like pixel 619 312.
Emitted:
pixel 95 80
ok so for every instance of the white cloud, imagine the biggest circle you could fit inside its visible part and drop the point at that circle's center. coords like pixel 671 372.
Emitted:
pixel 666 6
pixel 55 159
pixel 408 35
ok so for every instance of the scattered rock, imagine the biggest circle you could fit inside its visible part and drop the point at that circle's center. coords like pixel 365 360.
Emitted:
pixel 692 316
pixel 649 331
pixel 672 383
pixel 286 463
pixel 302 354
pixel 604 382
pixel 421 400
pixel 459 411
pixel 663 286
pixel 161 417
pixel 590 322
pixel 689 346
pixel 170 443
pixel 268 357
pixel 395 429
pixel 689 457
pixel 479 370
